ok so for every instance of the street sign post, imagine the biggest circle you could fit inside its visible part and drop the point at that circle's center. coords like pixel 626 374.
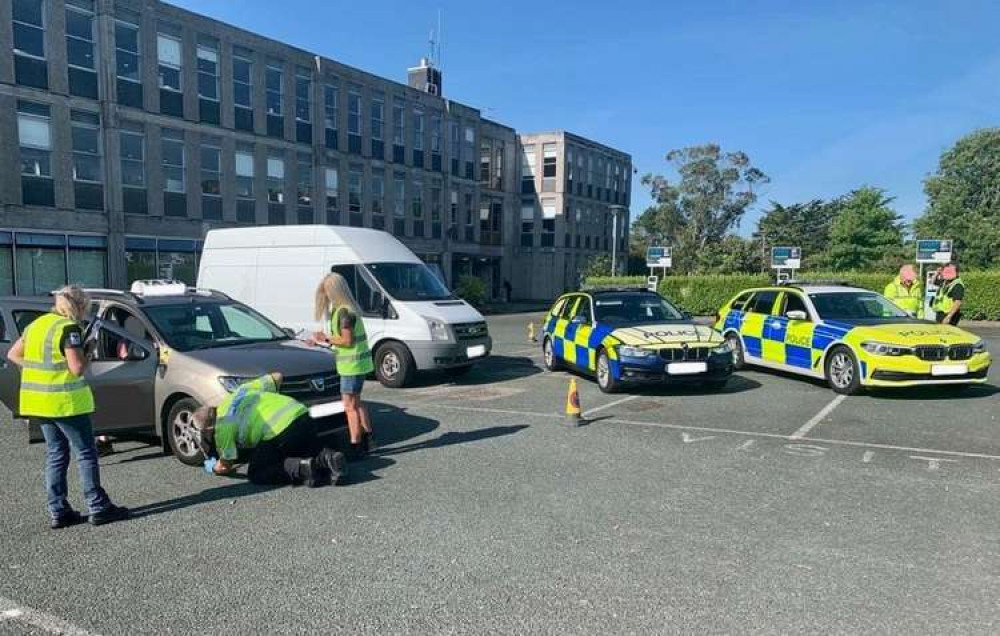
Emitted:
pixel 786 260
pixel 934 251
pixel 659 257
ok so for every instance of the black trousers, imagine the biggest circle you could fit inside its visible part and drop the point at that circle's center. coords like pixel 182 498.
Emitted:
pixel 276 461
pixel 939 316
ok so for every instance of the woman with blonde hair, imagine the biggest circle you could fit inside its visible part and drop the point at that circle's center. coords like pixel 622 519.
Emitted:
pixel 55 394
pixel 336 308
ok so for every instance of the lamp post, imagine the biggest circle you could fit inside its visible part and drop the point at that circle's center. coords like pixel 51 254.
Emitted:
pixel 615 209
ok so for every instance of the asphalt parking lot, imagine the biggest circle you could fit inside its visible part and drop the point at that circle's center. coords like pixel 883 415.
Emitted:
pixel 773 506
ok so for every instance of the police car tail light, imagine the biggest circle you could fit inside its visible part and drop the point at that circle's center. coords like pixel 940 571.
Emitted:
pixel 886 349
pixel 635 352
pixel 158 287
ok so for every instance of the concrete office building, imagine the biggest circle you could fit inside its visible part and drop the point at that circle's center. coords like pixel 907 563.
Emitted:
pixel 129 128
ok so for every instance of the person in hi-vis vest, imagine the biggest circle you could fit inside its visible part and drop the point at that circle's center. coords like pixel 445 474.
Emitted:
pixel 55 394
pixel 947 304
pixel 906 291
pixel 336 307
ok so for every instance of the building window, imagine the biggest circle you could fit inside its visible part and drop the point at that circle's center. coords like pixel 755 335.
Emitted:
pixel 470 229
pixel 355 194
pixel 485 161
pixel 354 120
pixel 378 126
pixel 208 81
pixel 548 167
pixel 243 89
pixel 398 130
pixel 88 175
pixel 246 204
pixel 211 179
pixel 168 54
pixel 490 221
pixel 417 207
pixel 528 223
pixel 275 190
pixel 132 151
pixel 453 215
pixel 569 171
pixel 6 265
pixel 418 139
pixel 172 153
pixel 528 170
pixel 469 152
pixel 580 176
pixel 30 68
pixel 48 261
pixel 436 204
pixel 303 112
pixel 34 133
pixel 274 78
pixel 590 177
pixel 548 223
pixel 498 164
pixel 399 204
pixel 456 148
pixel 176 259
pixel 304 190
pixel 127 60
pixel 330 91
pixel 82 73
pixel 332 182
pixel 436 142
pixel 378 199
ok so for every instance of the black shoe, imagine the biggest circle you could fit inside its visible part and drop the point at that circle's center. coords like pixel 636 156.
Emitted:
pixel 109 515
pixel 312 473
pixel 335 465
pixel 105 448
pixel 356 452
pixel 368 441
pixel 71 518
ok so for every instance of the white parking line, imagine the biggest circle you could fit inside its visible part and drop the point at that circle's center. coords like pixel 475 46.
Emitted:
pixel 535 349
pixel 819 417
pixel 11 611
pixel 608 405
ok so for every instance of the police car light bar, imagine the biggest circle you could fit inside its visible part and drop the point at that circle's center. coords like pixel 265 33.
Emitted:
pixel 158 287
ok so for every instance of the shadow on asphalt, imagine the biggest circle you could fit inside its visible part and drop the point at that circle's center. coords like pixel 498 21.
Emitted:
pixel 936 393
pixel 452 438
pixel 736 384
pixel 485 372
pixel 230 491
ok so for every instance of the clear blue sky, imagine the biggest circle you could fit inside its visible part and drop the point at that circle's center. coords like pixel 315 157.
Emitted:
pixel 823 96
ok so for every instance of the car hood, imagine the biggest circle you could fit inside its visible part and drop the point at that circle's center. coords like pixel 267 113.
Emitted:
pixel 288 357
pixel 666 334
pixel 916 333
pixel 448 311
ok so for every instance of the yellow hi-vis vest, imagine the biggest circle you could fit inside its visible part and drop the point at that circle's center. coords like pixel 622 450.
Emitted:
pixel 48 389
pixel 942 301
pixel 255 413
pixel 356 359
pixel 909 300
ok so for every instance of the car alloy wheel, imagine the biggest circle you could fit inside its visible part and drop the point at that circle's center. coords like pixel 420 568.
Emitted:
pixel 603 372
pixel 842 370
pixel 548 353
pixel 185 440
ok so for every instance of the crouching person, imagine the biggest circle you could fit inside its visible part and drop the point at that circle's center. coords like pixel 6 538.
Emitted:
pixel 276 428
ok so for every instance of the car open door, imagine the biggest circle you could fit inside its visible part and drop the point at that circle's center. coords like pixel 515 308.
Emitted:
pixel 122 376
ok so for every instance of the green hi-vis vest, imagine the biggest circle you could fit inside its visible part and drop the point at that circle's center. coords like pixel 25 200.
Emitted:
pixel 356 359
pixel 253 414
pixel 942 301
pixel 48 389
pixel 908 299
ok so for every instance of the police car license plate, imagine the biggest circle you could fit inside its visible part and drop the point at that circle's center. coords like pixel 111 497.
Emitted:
pixel 476 352
pixel 949 369
pixel 686 368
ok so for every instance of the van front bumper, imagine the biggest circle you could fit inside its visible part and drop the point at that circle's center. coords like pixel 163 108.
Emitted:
pixel 446 355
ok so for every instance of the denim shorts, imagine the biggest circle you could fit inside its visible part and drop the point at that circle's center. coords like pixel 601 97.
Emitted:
pixel 351 384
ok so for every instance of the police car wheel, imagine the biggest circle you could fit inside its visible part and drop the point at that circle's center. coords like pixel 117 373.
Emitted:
pixel 737 348
pixel 180 432
pixel 842 372
pixel 549 356
pixel 605 379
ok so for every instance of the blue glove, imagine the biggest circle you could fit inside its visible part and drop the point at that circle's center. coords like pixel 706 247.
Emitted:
pixel 209 465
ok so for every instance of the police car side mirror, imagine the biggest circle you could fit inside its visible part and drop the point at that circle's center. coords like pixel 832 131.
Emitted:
pixel 796 314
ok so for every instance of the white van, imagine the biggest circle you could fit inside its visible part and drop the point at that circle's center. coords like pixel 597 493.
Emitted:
pixel 413 321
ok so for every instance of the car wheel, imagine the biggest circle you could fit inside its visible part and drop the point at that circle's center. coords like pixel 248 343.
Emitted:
pixel 180 432
pixel 737 348
pixel 458 372
pixel 606 381
pixel 842 371
pixel 393 365
pixel 552 363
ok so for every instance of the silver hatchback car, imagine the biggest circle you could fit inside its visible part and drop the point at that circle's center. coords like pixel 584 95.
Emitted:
pixel 158 357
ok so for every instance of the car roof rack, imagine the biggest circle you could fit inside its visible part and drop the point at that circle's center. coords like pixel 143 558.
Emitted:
pixel 111 292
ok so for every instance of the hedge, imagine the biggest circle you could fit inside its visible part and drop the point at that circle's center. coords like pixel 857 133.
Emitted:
pixel 704 294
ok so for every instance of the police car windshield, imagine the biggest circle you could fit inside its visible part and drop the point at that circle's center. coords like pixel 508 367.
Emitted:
pixel 409 281
pixel 856 306
pixel 621 310
pixel 191 326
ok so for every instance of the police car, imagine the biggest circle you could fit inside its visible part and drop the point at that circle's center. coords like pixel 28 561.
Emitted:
pixel 852 338
pixel 630 335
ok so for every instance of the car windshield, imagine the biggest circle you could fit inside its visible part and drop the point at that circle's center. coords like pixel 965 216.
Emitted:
pixel 409 281
pixel 856 306
pixel 634 309
pixel 192 326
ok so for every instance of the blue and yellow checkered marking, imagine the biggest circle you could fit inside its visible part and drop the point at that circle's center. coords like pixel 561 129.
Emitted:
pixel 776 339
pixel 577 344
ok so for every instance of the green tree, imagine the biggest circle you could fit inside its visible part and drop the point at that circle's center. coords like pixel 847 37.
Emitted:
pixel 805 225
pixel 866 232
pixel 598 265
pixel 963 199
pixel 732 255
pixel 713 191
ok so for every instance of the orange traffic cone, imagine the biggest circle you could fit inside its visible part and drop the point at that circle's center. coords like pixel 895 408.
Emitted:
pixel 573 416
pixel 531 332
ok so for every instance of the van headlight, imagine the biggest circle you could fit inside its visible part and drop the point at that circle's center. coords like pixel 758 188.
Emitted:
pixel 979 347
pixel 232 382
pixel 886 349
pixel 635 352
pixel 439 330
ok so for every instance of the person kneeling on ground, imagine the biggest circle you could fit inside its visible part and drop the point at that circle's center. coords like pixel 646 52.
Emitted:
pixel 285 447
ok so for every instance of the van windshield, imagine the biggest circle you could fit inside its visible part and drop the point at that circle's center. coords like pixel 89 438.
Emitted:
pixel 409 281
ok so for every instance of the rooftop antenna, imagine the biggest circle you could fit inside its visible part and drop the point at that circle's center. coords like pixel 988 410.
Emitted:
pixel 434 44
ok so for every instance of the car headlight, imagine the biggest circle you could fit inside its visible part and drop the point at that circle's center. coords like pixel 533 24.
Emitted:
pixel 635 352
pixel 232 382
pixel 439 330
pixel 979 347
pixel 723 348
pixel 886 349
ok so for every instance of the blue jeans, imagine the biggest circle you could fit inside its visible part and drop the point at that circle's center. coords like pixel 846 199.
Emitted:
pixel 61 434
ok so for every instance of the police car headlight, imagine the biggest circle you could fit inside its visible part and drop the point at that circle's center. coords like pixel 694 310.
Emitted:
pixel 979 347
pixel 635 352
pixel 439 330
pixel 885 349
pixel 232 382
pixel 723 348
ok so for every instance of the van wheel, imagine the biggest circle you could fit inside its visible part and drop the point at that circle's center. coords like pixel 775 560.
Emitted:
pixel 393 365
pixel 180 432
